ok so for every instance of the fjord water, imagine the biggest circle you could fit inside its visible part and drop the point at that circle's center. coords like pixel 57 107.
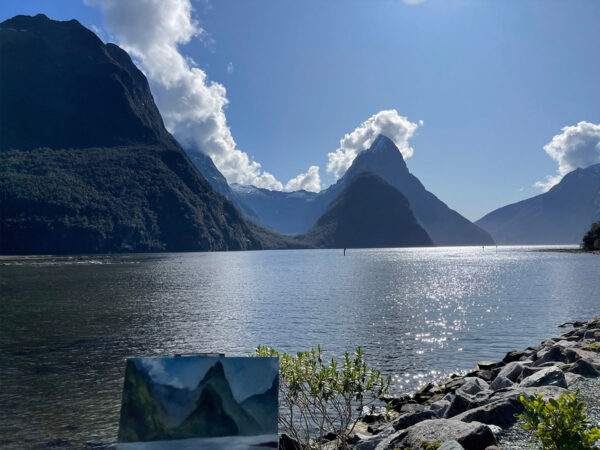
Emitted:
pixel 68 323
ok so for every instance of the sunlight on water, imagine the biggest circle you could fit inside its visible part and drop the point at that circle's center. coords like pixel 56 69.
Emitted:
pixel 67 324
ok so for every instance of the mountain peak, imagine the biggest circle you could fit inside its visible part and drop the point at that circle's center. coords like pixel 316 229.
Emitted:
pixel 383 143
pixel 382 158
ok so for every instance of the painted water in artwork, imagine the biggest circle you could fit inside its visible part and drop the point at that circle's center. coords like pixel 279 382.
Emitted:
pixel 199 402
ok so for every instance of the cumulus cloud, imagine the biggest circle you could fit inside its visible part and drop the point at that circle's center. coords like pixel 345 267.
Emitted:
pixel 578 146
pixel 387 122
pixel 192 107
pixel 309 181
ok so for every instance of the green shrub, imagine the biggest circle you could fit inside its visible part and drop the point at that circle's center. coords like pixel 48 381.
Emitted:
pixel 319 397
pixel 559 424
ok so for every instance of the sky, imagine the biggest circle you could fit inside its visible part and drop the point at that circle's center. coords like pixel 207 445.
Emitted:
pixel 247 376
pixel 490 102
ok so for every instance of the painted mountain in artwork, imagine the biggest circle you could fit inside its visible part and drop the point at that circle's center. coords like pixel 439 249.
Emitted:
pixel 155 411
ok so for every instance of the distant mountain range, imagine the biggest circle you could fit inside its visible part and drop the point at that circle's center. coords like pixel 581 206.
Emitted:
pixel 296 212
pixel 368 213
pixel 560 216
pixel 87 165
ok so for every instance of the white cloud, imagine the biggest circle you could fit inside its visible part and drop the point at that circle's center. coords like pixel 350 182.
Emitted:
pixel 191 105
pixel 389 123
pixel 309 181
pixel 230 67
pixel 577 146
pixel 413 2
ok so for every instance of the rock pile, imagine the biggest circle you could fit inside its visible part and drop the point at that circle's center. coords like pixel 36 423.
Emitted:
pixel 470 412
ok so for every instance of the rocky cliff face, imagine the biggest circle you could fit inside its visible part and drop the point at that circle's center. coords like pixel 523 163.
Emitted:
pixel 86 163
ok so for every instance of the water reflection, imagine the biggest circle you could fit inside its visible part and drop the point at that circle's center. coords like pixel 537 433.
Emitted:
pixel 67 324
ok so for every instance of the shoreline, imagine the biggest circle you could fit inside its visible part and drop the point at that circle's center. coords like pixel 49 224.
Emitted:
pixel 476 411
pixel 566 250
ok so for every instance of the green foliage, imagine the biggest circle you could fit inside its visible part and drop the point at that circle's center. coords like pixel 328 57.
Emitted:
pixel 319 396
pixel 559 424
pixel 591 240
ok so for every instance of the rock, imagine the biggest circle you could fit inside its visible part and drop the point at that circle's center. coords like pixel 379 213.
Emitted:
pixel 550 376
pixel 553 354
pixel 451 445
pixel 408 420
pixel 424 393
pixel 411 408
pixel 511 371
pixel 572 378
pixel 372 418
pixel 492 447
pixel 527 371
pixel 487 365
pixel 440 407
pixel 584 368
pixel 566 344
pixel 453 385
pixel 500 382
pixel 595 347
pixel 288 443
pixel 457 405
pixel 513 356
pixel 434 398
pixel 471 436
pixel 592 334
pixel 485 375
pixel 372 442
pixel 500 413
pixel 472 385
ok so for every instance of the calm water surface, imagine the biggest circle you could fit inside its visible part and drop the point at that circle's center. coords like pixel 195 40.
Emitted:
pixel 67 324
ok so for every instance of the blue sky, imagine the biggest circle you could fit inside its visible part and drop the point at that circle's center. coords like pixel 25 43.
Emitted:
pixel 247 376
pixel 493 82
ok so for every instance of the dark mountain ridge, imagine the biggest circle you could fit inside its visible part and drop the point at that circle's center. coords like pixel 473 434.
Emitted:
pixel 86 163
pixel 560 216
pixel 368 213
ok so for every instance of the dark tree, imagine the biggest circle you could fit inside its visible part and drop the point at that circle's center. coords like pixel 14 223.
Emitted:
pixel 591 240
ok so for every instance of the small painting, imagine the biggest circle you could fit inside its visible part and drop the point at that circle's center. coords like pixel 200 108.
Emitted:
pixel 208 402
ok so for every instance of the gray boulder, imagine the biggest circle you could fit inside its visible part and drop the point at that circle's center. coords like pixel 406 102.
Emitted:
pixel 500 382
pixel 549 376
pixel 554 354
pixel 471 436
pixel 500 412
pixel 472 385
pixel 592 334
pixel 372 442
pixel 584 368
pixel 408 420
pixel 511 371
pixel 441 406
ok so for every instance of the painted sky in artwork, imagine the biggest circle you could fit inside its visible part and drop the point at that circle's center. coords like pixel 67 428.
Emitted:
pixel 246 375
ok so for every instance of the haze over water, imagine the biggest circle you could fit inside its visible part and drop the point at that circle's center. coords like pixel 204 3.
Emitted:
pixel 67 324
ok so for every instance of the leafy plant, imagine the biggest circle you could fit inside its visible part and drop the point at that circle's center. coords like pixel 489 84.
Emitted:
pixel 318 397
pixel 559 424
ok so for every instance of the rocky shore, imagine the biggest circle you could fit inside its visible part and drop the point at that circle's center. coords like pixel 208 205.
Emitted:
pixel 477 411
